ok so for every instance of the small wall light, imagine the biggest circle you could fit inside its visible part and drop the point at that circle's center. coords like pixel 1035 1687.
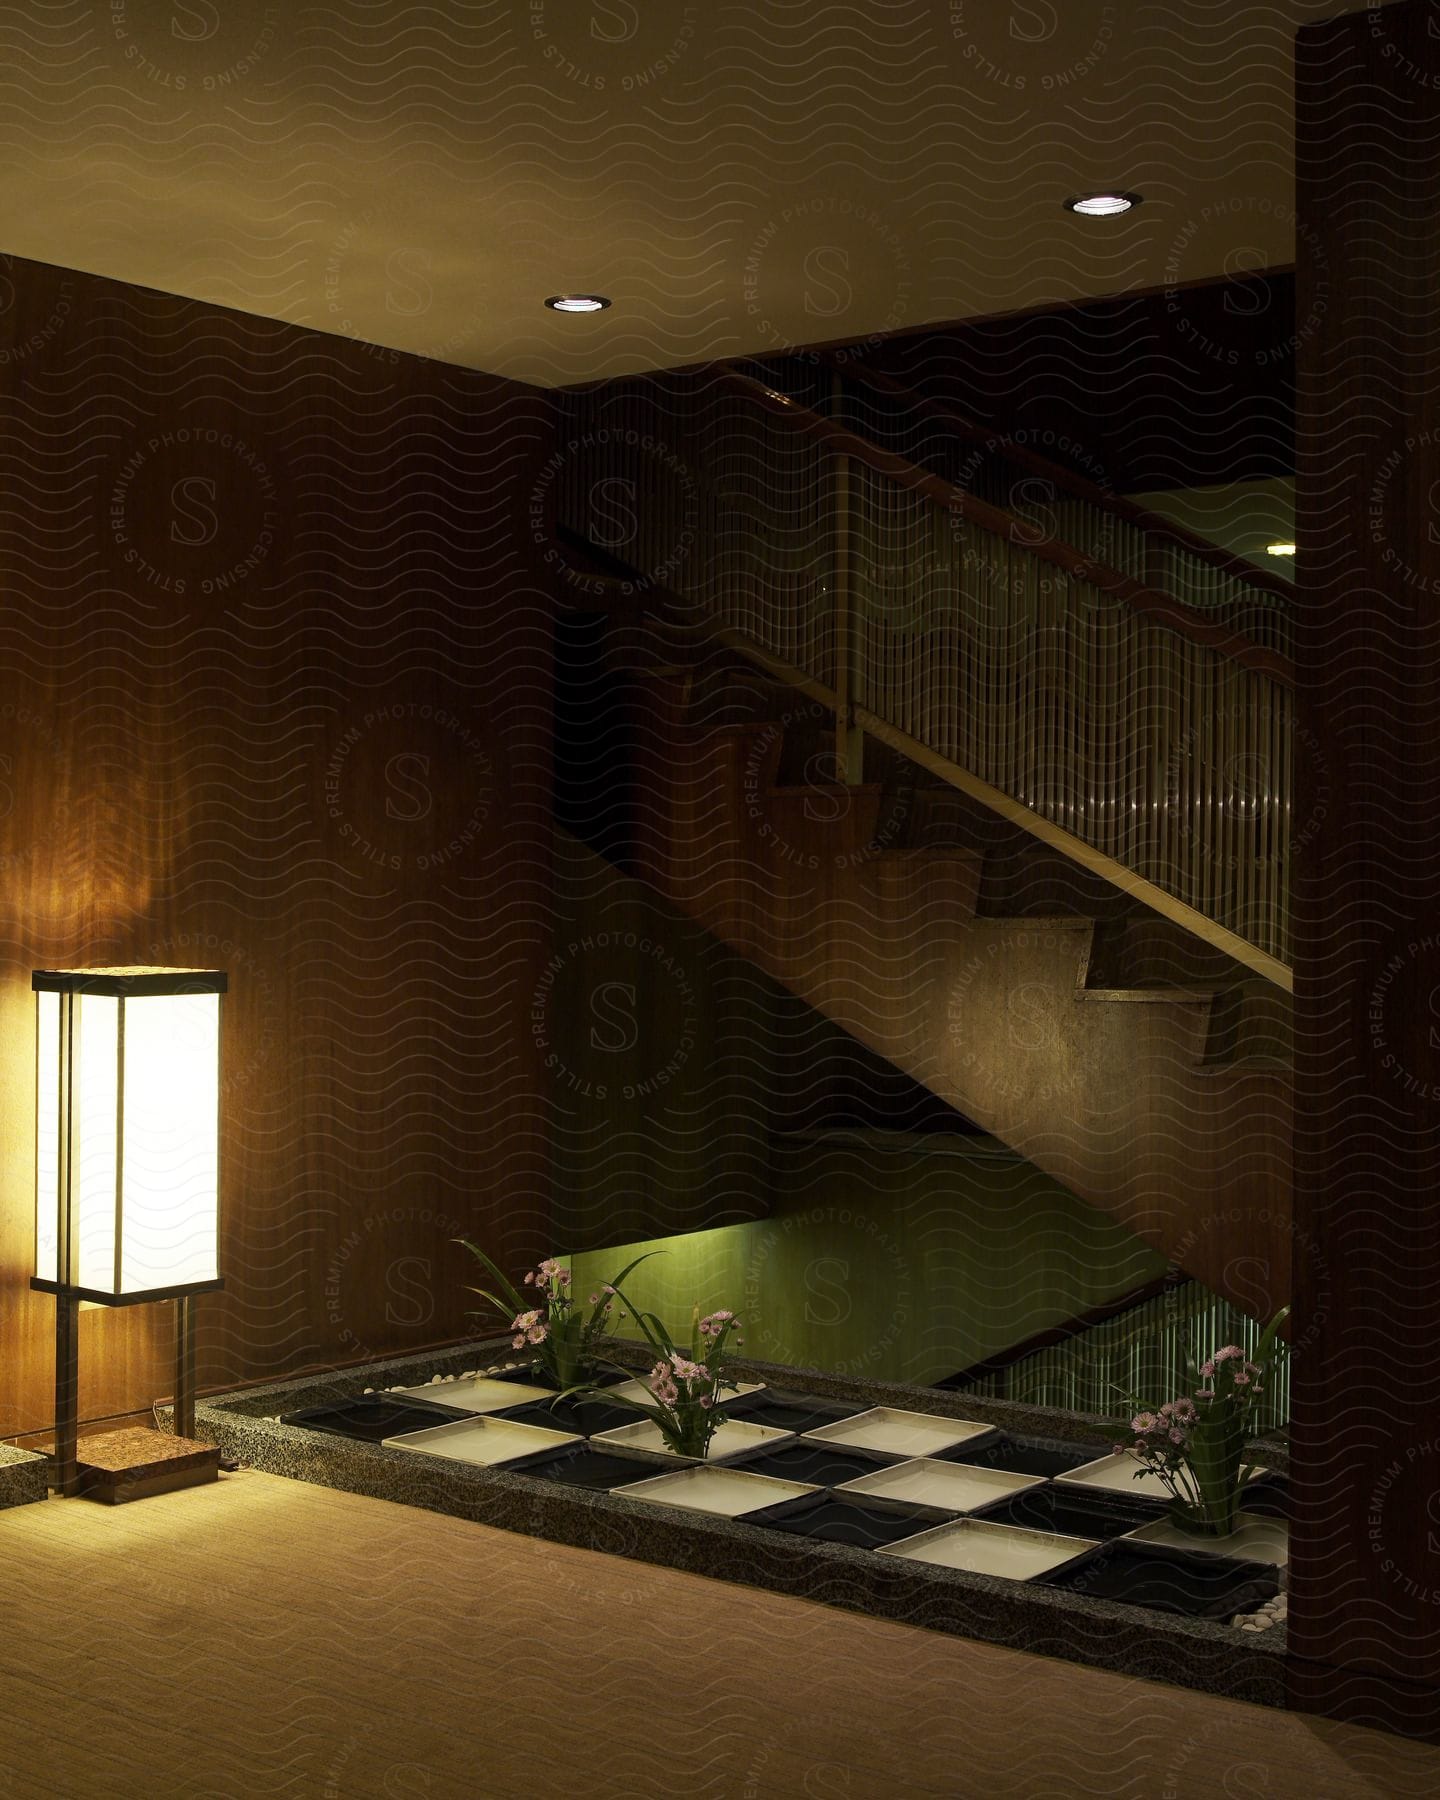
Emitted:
pixel 127 1165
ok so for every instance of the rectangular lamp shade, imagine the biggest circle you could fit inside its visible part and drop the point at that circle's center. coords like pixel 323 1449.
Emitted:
pixel 127 1182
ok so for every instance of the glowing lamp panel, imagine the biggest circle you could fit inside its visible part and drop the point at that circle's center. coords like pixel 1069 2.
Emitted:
pixel 143 1141
pixel 170 1141
pixel 47 1137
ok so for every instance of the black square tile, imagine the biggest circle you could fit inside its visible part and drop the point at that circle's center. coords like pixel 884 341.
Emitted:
pixel 1199 1586
pixel 582 1467
pixel 1070 1512
pixel 1269 1496
pixel 822 1465
pixel 831 1519
pixel 1024 1456
pixel 787 1412
pixel 585 1416
pixel 373 1417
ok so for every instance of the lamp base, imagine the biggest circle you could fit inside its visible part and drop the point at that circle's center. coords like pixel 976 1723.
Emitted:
pixel 116 1466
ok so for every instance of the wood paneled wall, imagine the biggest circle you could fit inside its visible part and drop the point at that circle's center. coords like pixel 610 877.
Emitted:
pixel 1180 387
pixel 276 673
pixel 1364 1626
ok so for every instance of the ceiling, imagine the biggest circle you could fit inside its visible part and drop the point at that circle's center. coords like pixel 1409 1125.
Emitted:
pixel 737 177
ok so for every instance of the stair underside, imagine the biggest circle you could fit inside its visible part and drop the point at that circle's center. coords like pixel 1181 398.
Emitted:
pixel 1148 1097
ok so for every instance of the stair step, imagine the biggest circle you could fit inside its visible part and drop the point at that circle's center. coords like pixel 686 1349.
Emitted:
pixel 815 815
pixel 1144 950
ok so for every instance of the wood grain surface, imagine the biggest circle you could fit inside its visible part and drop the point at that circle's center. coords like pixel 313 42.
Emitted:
pixel 286 1639
pixel 275 699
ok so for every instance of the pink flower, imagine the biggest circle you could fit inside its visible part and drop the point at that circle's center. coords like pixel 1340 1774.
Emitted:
pixel 594 1300
pixel 1227 1353
pixel 1145 1421
pixel 539 1334
pixel 1205 1394
pixel 662 1384
pixel 1177 1437
pixel 1242 1380
pixel 524 1321
pixel 530 1278
pixel 1207 1369
pixel 517 1343
pixel 1184 1412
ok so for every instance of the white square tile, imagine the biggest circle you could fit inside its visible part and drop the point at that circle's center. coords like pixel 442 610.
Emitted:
pixel 1257 1539
pixel 899 1433
pixel 733 1436
pixel 954 1486
pixel 704 1488
pixel 1117 1475
pixel 984 1549
pixel 483 1441
pixel 476 1394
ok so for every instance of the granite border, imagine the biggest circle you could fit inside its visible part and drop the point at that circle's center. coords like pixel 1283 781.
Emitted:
pixel 1198 1654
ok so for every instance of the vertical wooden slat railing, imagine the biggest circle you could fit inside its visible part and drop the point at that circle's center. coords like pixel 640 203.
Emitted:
pixel 1139 1354
pixel 1156 734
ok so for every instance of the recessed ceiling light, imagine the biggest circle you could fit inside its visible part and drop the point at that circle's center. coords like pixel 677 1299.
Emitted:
pixel 1279 549
pixel 577 303
pixel 1101 206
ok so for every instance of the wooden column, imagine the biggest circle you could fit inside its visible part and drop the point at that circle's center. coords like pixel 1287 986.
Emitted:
pixel 1365 1577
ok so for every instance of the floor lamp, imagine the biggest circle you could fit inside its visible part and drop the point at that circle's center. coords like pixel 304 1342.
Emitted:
pixel 127 1185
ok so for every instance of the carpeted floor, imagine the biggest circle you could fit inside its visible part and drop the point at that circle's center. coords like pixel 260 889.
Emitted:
pixel 262 1637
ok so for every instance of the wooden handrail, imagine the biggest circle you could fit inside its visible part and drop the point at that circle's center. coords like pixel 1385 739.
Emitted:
pixel 1153 523
pixel 1162 609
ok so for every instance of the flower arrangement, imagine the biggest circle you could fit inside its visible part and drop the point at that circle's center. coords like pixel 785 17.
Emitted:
pixel 1196 1442
pixel 563 1336
pixel 684 1386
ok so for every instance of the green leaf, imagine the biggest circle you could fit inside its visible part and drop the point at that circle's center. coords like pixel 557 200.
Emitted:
pixel 1270 1346
pixel 505 1311
pixel 499 1276
pixel 630 1267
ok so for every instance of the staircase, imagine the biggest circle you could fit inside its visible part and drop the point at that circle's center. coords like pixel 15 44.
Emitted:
pixel 1106 994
